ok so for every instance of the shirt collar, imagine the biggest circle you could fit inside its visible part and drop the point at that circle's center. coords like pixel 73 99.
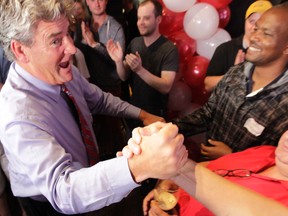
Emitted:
pixel 52 91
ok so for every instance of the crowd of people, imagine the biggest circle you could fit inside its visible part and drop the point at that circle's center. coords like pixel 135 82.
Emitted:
pixel 64 113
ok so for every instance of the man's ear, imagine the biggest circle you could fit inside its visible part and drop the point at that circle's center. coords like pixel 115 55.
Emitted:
pixel 159 19
pixel 19 51
pixel 286 50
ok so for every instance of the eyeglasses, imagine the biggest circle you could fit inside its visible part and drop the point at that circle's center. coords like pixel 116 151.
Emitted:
pixel 235 172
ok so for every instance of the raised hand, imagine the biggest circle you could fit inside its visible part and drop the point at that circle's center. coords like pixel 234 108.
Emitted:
pixel 240 57
pixel 115 50
pixel 87 35
pixel 134 61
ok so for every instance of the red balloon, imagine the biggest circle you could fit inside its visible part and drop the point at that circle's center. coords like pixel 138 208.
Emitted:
pixel 217 3
pixel 179 96
pixel 162 3
pixel 190 108
pixel 195 72
pixel 224 16
pixel 171 22
pixel 179 75
pixel 200 95
pixel 185 44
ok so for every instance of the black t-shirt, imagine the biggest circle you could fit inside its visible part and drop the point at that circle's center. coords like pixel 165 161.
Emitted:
pixel 224 57
pixel 160 56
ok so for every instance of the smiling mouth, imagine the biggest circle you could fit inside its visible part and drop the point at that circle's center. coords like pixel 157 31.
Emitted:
pixel 254 49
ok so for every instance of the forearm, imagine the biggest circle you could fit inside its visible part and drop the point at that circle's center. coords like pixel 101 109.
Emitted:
pixel 162 84
pixel 191 124
pixel 122 70
pixel 101 50
pixel 211 81
pixel 212 191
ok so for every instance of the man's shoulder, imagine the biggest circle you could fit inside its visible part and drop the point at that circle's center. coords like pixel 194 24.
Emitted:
pixel 136 42
pixel 168 42
pixel 113 22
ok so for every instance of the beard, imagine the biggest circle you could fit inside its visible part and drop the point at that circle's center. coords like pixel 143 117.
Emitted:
pixel 147 31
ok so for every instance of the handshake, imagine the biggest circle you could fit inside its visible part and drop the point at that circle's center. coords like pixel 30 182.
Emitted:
pixel 155 151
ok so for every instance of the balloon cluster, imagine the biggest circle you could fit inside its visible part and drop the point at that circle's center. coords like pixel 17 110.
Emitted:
pixel 196 28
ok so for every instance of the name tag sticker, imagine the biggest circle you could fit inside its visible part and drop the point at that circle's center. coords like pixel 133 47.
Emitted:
pixel 254 127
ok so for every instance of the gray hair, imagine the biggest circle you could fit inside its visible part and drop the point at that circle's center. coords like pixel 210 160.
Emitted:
pixel 20 18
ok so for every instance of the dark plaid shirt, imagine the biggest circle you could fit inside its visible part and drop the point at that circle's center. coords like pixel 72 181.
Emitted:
pixel 237 120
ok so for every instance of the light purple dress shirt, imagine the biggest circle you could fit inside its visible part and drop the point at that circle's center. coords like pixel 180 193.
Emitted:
pixel 44 147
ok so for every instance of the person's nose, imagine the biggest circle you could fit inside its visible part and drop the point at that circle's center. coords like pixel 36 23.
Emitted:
pixel 97 2
pixel 253 38
pixel 139 21
pixel 69 46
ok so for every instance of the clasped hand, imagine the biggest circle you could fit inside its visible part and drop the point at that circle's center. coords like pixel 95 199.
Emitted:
pixel 134 61
pixel 159 147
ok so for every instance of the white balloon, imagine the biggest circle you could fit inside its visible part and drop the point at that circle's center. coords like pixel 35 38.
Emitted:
pixel 207 47
pixel 179 5
pixel 201 21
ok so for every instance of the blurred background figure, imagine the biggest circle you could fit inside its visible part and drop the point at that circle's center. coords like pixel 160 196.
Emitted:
pixel 130 20
pixel 79 14
pixel 131 31
pixel 91 38
pixel 233 52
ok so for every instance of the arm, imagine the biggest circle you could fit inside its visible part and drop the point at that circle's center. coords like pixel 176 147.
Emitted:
pixel 194 123
pixel 115 33
pixel 55 173
pixel 105 103
pixel 211 81
pixel 162 84
pixel 212 190
pixel 218 65
pixel 148 118
pixel 116 53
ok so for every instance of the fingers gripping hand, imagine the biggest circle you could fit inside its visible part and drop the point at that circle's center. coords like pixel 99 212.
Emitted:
pixel 146 202
pixel 163 151
pixel 155 210
pixel 133 146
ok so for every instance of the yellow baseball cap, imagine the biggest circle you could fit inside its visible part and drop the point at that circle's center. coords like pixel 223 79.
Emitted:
pixel 258 7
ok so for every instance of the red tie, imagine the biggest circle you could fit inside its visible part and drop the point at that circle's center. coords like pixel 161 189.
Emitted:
pixel 86 133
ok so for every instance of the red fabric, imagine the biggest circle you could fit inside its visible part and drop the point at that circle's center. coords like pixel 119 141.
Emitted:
pixel 255 159
pixel 86 133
